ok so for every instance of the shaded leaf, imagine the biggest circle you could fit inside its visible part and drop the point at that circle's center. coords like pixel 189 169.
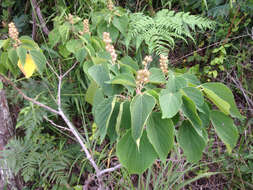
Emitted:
pixel 191 143
pixel 135 159
pixel 140 108
pixel 160 134
pixel 225 128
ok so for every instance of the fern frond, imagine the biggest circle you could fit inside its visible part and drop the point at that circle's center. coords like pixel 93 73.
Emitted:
pixel 159 33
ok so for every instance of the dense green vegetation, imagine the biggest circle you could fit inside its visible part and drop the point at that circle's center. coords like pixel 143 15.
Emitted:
pixel 128 94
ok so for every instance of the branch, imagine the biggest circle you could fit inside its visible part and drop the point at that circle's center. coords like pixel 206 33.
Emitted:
pixel 50 121
pixel 28 98
pixel 38 12
pixel 109 169
pixel 67 72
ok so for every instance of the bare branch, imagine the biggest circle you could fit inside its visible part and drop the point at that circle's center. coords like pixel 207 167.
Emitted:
pixel 52 69
pixel 73 66
pixel 109 170
pixel 59 92
pixel 28 98
pixel 76 134
pixel 60 127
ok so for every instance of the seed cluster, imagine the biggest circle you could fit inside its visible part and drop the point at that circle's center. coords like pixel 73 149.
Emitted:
pixel 70 18
pixel 164 63
pixel 142 76
pixel 13 33
pixel 109 47
pixel 86 28
pixel 146 61
pixel 110 5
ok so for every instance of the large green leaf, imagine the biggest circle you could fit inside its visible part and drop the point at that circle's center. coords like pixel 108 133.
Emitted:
pixel 28 43
pixel 102 113
pixel 170 103
pixel 13 56
pixel 160 134
pixel 100 74
pixel 189 110
pixel 64 31
pixel 111 132
pixel 224 94
pixel 74 45
pixel 22 54
pixel 80 55
pixel 174 84
pixel 39 59
pixel 194 94
pixel 204 115
pixel 130 62
pixel 104 27
pixel 135 159
pixel 219 102
pixel 156 76
pixel 121 23
pixel 191 143
pixel 91 91
pixel 123 79
pixel 124 117
pixel 140 107
pixel 54 37
pixel 192 79
pixel 225 128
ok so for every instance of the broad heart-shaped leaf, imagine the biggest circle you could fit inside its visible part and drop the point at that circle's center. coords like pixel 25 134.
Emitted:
pixel 28 43
pixel 174 83
pixel 170 103
pixel 80 55
pixel 121 23
pixel 194 94
pixel 104 27
pixel 102 113
pixel 111 132
pixel 160 134
pixel 156 76
pixel 39 59
pixel 135 159
pixel 190 78
pixel 74 45
pixel 189 110
pixel 224 94
pixel 225 129
pixel 124 117
pixel 91 91
pixel 204 115
pixel 219 102
pixel 123 79
pixel 191 143
pixel 100 74
pixel 54 37
pixel 140 108
pixel 130 62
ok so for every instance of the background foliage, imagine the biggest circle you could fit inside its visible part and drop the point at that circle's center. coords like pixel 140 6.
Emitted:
pixel 46 157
